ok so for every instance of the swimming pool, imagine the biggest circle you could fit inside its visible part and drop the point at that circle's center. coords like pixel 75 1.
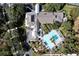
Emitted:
pixel 54 36
pixel 48 43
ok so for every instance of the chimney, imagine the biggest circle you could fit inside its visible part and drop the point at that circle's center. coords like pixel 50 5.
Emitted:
pixel 37 8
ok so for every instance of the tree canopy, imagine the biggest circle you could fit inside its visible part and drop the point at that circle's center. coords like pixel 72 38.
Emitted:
pixel 53 7
pixel 15 17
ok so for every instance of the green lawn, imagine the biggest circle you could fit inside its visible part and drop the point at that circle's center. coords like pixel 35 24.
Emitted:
pixel 68 9
pixel 47 27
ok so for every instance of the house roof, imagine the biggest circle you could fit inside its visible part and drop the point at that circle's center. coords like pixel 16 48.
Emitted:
pixel 46 17
pixel 30 13
pixel 50 17
pixel 59 17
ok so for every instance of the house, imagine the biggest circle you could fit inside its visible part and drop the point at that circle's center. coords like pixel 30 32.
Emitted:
pixel 43 17
pixel 30 23
pixel 34 21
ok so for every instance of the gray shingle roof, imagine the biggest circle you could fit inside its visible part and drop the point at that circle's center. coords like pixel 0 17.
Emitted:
pixel 59 17
pixel 46 17
pixel 50 17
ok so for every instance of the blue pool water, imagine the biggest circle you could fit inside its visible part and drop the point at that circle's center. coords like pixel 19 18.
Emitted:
pixel 53 35
pixel 47 38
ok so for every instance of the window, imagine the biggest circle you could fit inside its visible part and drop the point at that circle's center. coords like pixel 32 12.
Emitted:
pixel 32 18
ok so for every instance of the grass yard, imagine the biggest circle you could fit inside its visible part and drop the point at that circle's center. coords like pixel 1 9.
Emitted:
pixel 47 27
pixel 68 9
